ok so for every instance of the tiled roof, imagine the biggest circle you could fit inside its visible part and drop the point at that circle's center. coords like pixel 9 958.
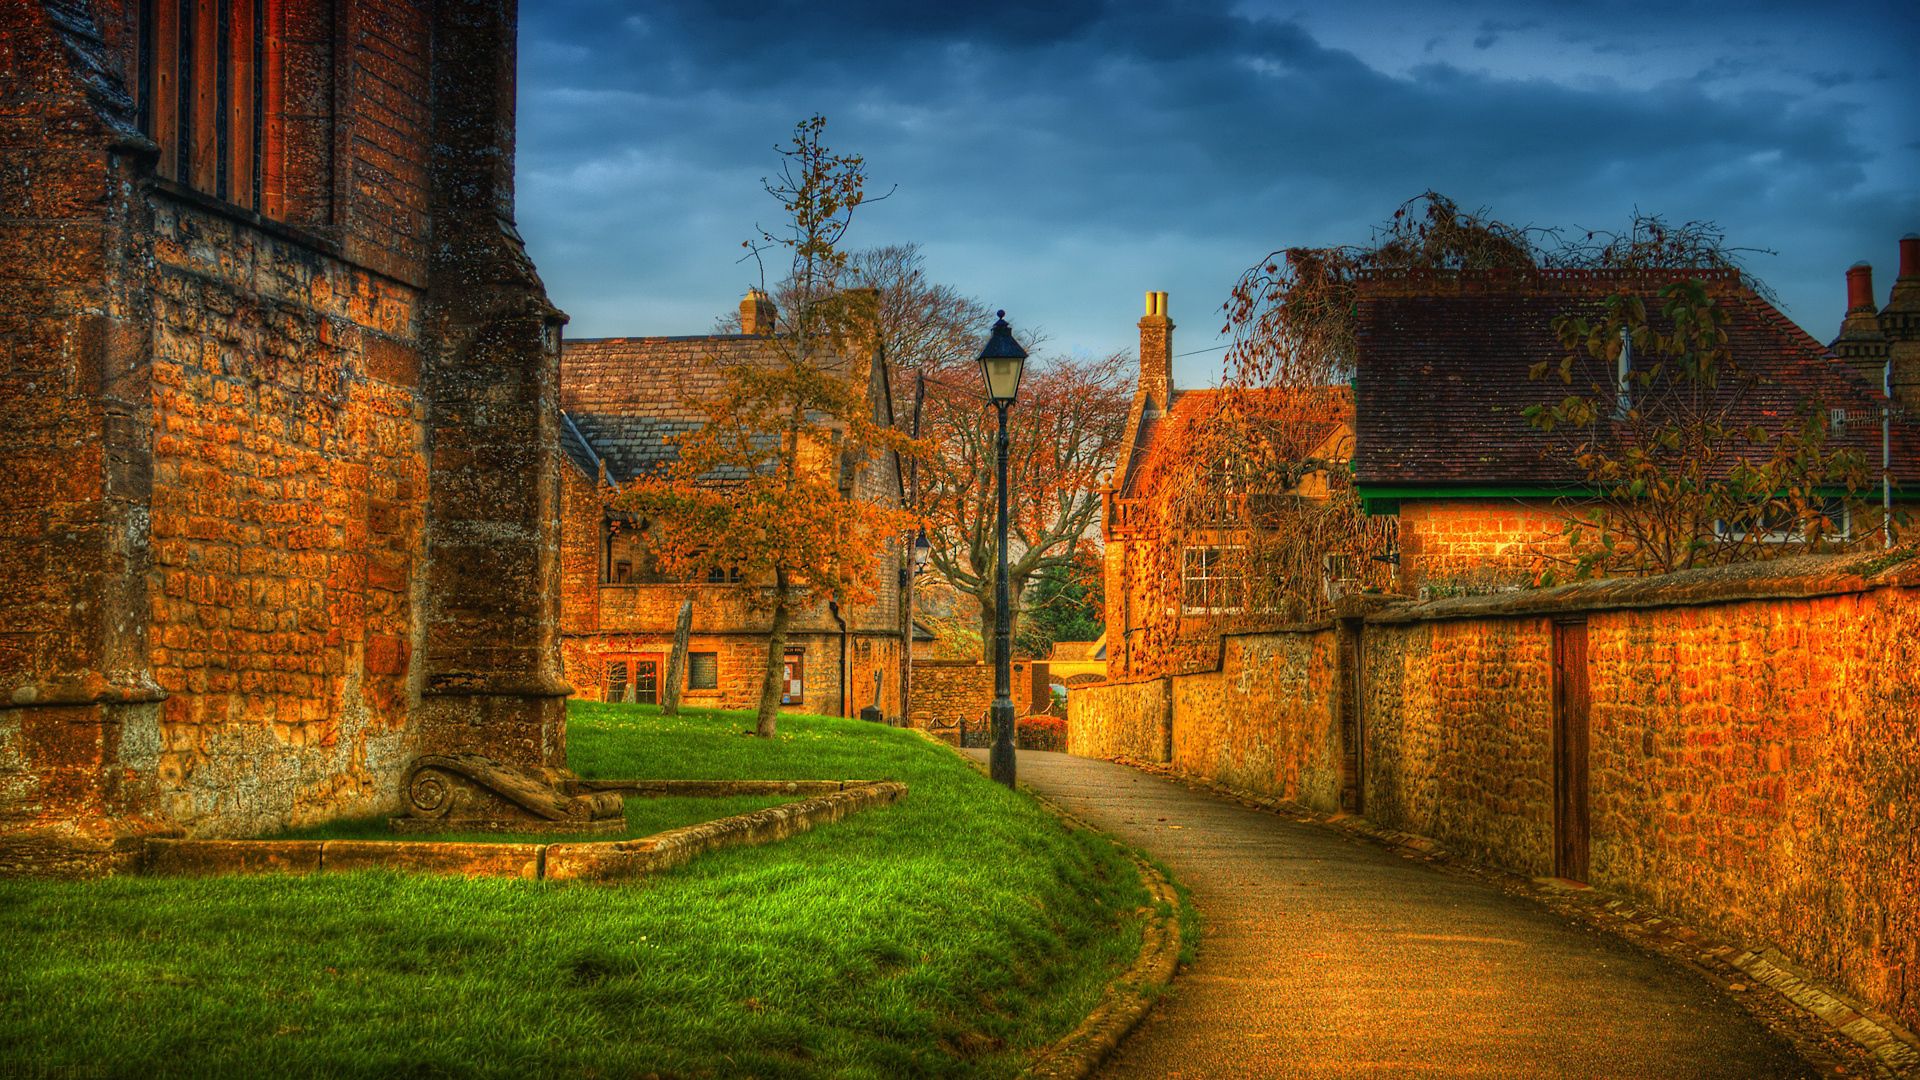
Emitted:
pixel 1443 362
pixel 1160 443
pixel 628 397
pixel 576 448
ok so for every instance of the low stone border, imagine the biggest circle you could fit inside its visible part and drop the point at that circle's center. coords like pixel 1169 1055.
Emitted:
pixel 1824 1025
pixel 697 789
pixel 1129 997
pixel 605 860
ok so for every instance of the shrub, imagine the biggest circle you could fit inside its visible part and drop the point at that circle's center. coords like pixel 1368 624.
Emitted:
pixel 1040 733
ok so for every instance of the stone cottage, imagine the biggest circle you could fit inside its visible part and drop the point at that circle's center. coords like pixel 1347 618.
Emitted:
pixel 1185 579
pixel 278 384
pixel 624 400
pixel 1442 378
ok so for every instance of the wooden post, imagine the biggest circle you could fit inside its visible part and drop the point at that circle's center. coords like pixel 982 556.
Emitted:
pixel 677 661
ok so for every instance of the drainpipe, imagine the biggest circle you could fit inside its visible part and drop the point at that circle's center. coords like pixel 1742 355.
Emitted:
pixel 1623 399
pixel 1886 453
pixel 846 683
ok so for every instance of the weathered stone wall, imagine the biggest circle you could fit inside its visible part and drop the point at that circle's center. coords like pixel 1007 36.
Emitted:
pixel 949 693
pixel 79 713
pixel 288 506
pixel 282 479
pixel 1754 758
pixel 1756 767
pixel 1267 720
pixel 1121 719
pixel 1456 719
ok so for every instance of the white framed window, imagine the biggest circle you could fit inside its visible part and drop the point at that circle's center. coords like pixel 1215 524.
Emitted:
pixel 1779 528
pixel 1210 580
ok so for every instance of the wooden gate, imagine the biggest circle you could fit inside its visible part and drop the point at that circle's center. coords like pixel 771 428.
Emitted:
pixel 1570 698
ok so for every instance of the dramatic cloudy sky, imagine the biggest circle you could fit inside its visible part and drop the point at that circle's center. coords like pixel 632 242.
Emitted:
pixel 1060 157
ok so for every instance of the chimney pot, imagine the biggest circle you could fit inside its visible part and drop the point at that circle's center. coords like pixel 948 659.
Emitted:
pixel 1910 255
pixel 1860 287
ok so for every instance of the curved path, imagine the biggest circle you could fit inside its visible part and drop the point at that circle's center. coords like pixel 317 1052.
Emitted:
pixel 1325 955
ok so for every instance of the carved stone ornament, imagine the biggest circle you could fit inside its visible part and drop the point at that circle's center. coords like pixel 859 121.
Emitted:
pixel 470 793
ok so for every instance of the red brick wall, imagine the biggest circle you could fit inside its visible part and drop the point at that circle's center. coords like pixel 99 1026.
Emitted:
pixel 1469 544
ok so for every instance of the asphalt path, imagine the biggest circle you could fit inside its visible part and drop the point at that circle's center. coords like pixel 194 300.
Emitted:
pixel 1325 955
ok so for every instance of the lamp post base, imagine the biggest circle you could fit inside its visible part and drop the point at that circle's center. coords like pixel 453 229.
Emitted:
pixel 1000 757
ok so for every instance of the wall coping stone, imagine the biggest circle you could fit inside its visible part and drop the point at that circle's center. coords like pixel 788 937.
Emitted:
pixel 1791 578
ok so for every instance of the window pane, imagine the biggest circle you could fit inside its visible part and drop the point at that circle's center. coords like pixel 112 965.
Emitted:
pixel 703 671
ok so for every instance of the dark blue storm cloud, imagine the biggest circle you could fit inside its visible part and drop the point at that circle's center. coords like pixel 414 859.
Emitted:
pixel 1059 159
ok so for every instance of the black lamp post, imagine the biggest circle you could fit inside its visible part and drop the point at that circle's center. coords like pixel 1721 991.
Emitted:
pixel 1001 364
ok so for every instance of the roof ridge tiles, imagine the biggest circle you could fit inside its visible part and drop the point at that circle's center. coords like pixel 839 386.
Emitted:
pixel 1547 278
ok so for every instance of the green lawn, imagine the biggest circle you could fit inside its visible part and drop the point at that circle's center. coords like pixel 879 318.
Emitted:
pixel 942 936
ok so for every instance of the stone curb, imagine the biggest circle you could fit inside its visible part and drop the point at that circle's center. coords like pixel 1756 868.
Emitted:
pixel 1131 995
pixel 607 860
pixel 696 789
pixel 1890 1049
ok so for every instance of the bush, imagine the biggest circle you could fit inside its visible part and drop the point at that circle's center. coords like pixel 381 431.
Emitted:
pixel 1040 733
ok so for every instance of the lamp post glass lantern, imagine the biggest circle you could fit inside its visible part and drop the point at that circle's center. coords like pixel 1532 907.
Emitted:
pixel 1001 364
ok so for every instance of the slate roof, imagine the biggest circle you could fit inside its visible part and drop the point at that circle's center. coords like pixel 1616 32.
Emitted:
pixel 626 398
pixel 1442 374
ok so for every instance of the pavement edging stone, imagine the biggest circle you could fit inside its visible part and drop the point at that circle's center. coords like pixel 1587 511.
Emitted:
pixel 1892 1050
pixel 1130 995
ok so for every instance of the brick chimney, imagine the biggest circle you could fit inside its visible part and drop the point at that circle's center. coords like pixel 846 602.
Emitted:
pixel 1900 324
pixel 862 330
pixel 1156 354
pixel 1861 343
pixel 757 313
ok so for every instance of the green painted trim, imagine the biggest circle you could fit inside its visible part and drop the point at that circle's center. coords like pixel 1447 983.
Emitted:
pixel 1515 491
pixel 1387 500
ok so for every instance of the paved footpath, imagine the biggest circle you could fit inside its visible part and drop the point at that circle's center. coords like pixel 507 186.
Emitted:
pixel 1325 955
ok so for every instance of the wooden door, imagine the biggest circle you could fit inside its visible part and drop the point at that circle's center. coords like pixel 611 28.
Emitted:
pixel 1570 699
pixel 646 680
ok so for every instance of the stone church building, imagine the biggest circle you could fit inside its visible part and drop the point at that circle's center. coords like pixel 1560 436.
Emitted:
pixel 279 393
pixel 624 401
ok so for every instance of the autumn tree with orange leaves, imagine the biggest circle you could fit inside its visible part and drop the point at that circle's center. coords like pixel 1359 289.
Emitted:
pixel 757 488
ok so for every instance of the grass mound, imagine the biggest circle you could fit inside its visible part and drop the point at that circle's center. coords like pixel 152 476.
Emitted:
pixel 943 936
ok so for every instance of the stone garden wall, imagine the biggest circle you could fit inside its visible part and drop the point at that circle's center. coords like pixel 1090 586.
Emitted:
pixel 1754 744
pixel 950 694
pixel 1120 720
